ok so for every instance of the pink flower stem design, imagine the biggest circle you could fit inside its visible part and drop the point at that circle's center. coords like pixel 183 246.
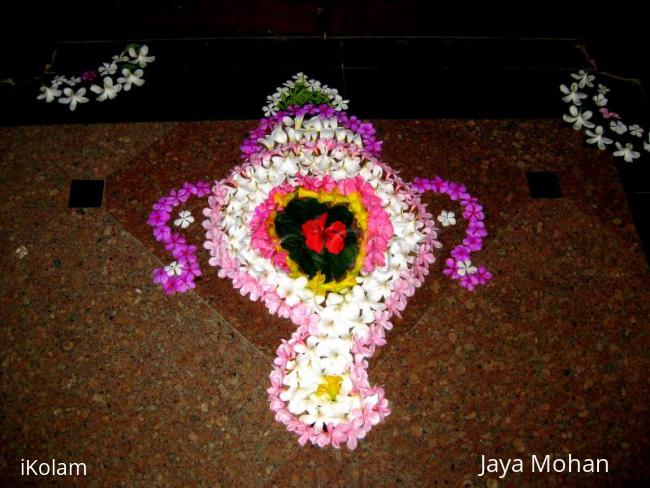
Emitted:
pixel 184 253
pixel 460 260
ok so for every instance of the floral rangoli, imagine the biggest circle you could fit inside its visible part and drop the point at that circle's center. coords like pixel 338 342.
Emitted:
pixel 322 232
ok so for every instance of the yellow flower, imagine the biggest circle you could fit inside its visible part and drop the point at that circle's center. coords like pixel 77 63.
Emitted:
pixel 331 387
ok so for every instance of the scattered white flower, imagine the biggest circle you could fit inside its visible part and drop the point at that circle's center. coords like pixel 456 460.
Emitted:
pixel 120 58
pixel 73 80
pixel 602 89
pixel 578 118
pixel 49 93
pixel 447 218
pixel 109 90
pixel 572 94
pixel 73 98
pixel 636 130
pixel 174 269
pixel 600 100
pixel 140 57
pixel 465 268
pixel 584 78
pixel 597 137
pixel 21 252
pixel 108 69
pixel 130 78
pixel 184 219
pixel 626 152
pixel 646 145
pixel 59 80
pixel 618 127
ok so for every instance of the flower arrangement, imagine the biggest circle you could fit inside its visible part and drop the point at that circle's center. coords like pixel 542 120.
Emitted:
pixel 313 225
pixel 300 91
pixel 590 112
pixel 128 66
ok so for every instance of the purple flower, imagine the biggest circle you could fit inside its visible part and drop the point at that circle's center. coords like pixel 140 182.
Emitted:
pixel 477 229
pixel 202 188
pixel 184 251
pixel 461 253
pixel 469 281
pixel 474 243
pixel 175 240
pixel 162 233
pixel 160 276
pixel 483 275
pixel 158 218
pixel 89 75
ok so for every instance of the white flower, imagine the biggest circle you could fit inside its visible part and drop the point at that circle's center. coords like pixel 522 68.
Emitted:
pixel 108 69
pixel 596 137
pixel 174 269
pixel 602 89
pixel 636 130
pixel 465 267
pixel 600 100
pixel 58 80
pixel 292 290
pixel 335 354
pixel 49 93
pixel 140 57
pixel 646 145
pixel 578 118
pixel 618 127
pixel 109 90
pixel 120 58
pixel 626 152
pixel 131 78
pixel 184 220
pixel 72 81
pixel 572 94
pixel 584 78
pixel 73 98
pixel 447 218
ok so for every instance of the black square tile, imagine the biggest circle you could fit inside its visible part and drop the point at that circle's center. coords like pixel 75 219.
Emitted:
pixel 86 193
pixel 544 184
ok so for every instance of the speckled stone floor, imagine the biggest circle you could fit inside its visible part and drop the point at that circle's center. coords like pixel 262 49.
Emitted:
pixel 98 366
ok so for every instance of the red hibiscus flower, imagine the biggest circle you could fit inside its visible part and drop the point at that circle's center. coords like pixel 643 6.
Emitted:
pixel 316 235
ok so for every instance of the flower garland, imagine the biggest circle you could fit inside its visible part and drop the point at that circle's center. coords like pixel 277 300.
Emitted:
pixel 300 91
pixel 459 266
pixel 316 227
pixel 178 276
pixel 130 63
pixel 607 131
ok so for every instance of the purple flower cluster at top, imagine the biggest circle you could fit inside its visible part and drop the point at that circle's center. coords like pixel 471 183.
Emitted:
pixel 184 253
pixel 365 129
pixel 458 266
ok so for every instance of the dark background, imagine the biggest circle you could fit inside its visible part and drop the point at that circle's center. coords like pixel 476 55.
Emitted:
pixel 449 59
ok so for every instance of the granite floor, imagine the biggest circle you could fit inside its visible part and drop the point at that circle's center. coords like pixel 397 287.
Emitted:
pixel 100 367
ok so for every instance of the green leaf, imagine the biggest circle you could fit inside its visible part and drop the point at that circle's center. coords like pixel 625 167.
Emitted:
pixel 339 213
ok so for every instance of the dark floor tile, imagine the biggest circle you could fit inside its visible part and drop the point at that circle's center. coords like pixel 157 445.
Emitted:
pixel 86 193
pixel 544 184
pixel 639 204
